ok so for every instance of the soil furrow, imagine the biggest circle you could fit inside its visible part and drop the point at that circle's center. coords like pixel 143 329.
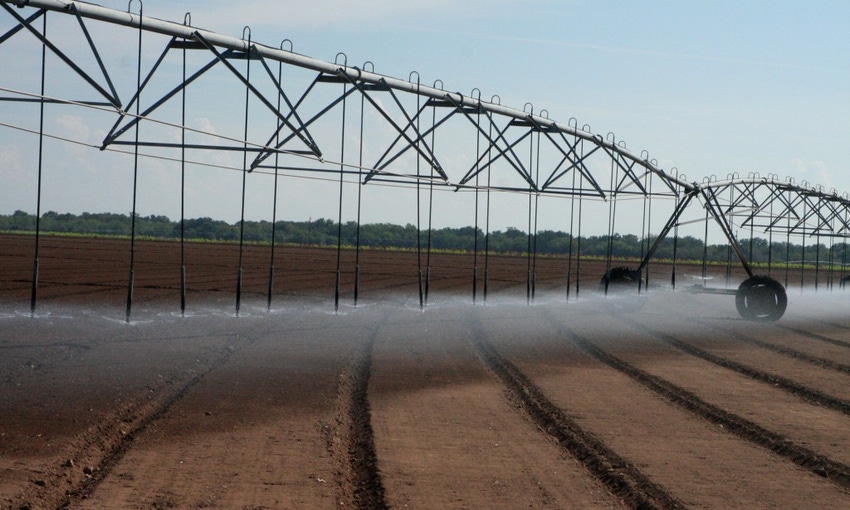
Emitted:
pixel 814 336
pixel 820 465
pixel 785 351
pixel 808 394
pixel 104 444
pixel 621 477
pixel 360 485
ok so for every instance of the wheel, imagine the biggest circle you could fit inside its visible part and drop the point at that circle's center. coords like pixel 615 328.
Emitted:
pixel 761 298
pixel 620 280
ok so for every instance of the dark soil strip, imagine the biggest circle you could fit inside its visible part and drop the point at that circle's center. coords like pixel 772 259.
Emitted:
pixel 820 465
pixel 808 394
pixel 100 448
pixel 814 336
pixel 360 485
pixel 621 477
pixel 785 351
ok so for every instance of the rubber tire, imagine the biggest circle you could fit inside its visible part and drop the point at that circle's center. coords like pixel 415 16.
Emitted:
pixel 620 279
pixel 761 298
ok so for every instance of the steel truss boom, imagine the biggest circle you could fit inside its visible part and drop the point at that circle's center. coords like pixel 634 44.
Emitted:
pixel 362 79
pixel 767 204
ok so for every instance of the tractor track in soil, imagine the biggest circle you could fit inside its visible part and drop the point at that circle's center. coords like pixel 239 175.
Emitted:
pixel 105 443
pixel 352 440
pixel 621 477
pixel 814 336
pixel 809 395
pixel 784 351
pixel 836 472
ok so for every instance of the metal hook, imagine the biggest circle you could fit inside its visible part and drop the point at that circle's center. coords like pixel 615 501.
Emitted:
pixel 644 154
pixel 369 64
pixel 291 46
pixel 525 108
pixel 410 77
pixel 611 137
pixel 344 59
pixel 473 91
pixel 572 122
pixel 130 6
pixel 187 19
pixel 544 113
pixel 496 99
pixel 440 82
pixel 586 128
pixel 249 33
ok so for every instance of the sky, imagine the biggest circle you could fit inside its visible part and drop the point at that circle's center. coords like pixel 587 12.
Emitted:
pixel 708 88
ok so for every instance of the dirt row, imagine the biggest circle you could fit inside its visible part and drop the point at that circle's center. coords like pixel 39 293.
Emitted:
pixel 387 405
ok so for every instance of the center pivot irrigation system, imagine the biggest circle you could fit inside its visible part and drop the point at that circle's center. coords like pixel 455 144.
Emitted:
pixel 290 116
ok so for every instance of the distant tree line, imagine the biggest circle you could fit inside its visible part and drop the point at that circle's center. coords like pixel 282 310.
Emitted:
pixel 324 232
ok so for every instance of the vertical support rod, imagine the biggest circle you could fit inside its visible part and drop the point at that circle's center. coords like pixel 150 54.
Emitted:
pixel 244 176
pixel 487 217
pixel 705 249
pixel 475 231
pixel 270 292
pixel 183 192
pixel 817 260
pixel 359 201
pixel 35 264
pixel 339 207
pixel 572 236
pixel 419 204
pixel 132 276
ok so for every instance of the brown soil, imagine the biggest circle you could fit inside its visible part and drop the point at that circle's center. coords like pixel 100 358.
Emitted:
pixel 668 400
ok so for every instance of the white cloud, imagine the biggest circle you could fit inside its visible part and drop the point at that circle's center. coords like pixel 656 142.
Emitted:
pixel 815 172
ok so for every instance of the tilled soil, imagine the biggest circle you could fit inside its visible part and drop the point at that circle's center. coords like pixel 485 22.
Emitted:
pixel 670 401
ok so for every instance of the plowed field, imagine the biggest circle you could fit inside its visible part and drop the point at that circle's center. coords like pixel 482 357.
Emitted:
pixel 668 400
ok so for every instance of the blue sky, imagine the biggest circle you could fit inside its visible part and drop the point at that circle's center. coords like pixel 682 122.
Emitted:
pixel 705 87
pixel 708 87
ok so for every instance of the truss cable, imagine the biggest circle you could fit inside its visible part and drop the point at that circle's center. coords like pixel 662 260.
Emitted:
pixel 244 169
pixel 341 181
pixel 135 172
pixel 35 263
